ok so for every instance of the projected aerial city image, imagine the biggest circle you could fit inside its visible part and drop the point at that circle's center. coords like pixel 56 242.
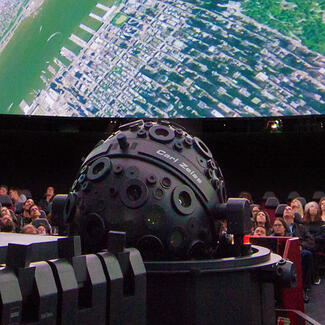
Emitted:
pixel 160 58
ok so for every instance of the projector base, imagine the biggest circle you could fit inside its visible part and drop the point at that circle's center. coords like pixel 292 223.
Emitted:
pixel 224 291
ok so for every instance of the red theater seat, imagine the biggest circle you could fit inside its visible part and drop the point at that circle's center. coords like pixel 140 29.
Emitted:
pixel 270 206
pixel 265 196
pixel 318 195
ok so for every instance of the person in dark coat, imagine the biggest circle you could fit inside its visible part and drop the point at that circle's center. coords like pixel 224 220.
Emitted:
pixel 46 203
pixel 316 226
pixel 307 244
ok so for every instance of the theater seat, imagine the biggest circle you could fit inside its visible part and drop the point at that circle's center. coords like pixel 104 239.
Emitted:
pixel 272 203
pixel 265 196
pixel 41 221
pixel 318 195
pixel 292 195
pixel 19 207
pixel 27 193
pixel 279 210
pixel 43 214
pixel 270 206
pixel 5 200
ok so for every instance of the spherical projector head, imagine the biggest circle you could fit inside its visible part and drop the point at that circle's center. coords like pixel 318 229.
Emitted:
pixel 154 181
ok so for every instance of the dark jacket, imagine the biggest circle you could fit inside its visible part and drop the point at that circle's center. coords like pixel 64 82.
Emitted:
pixel 317 230
pixel 306 239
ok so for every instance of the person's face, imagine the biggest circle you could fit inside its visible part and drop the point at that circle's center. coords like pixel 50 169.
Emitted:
pixel 5 211
pixel 261 218
pixel 41 230
pixel 34 212
pixel 313 211
pixel 255 210
pixel 288 214
pixel 50 191
pixel 13 194
pixel 322 205
pixel 294 205
pixel 278 228
pixel 3 191
pixel 28 204
pixel 260 231
pixel 30 230
pixel 5 219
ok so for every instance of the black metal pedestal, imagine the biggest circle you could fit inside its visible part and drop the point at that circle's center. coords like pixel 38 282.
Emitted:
pixel 224 291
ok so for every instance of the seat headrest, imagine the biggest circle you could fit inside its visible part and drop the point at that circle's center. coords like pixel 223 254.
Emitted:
pixel 5 200
pixel 268 194
pixel 41 221
pixel 292 195
pixel 318 195
pixel 271 203
pixel 279 210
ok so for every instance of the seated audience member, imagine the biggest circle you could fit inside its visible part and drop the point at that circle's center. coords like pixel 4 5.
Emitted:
pixel 312 217
pixel 42 230
pixel 322 208
pixel 25 218
pixel 14 195
pixel 298 210
pixel 259 231
pixel 34 212
pixel 46 202
pixel 3 189
pixel 29 229
pixel 280 228
pixel 246 195
pixel 5 211
pixel 306 244
pixel 316 226
pixel 262 219
pixel 7 224
pixel 255 208
pixel 43 226
pixel 298 230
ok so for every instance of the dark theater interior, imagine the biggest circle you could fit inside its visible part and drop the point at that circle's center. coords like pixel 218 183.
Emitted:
pixel 41 151
pixel 252 156
pixel 162 162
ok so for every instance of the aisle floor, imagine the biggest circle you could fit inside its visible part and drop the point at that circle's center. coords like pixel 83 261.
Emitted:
pixel 316 306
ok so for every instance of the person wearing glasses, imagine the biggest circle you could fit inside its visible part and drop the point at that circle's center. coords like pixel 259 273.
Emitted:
pixel 280 228
pixel 307 244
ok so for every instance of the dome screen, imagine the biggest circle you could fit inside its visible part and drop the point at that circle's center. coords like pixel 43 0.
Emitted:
pixel 162 58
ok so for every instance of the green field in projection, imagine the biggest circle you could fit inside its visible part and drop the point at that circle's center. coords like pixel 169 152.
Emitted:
pixel 299 18
pixel 34 45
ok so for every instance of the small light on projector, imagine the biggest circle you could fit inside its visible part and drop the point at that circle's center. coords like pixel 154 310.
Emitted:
pixel 274 126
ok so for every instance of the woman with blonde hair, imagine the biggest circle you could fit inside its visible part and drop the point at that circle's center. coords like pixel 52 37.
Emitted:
pixel 297 207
